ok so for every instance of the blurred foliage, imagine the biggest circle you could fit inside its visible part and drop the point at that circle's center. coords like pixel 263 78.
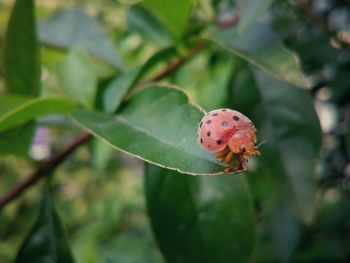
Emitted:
pixel 284 64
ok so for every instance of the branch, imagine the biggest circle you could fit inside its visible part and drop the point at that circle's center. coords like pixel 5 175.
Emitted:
pixel 173 66
pixel 44 170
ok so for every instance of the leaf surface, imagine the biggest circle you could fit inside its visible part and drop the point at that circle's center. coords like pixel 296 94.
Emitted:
pixel 74 28
pixel 200 219
pixel 250 11
pixel 123 83
pixel 17 140
pixel 261 47
pixel 158 125
pixel 285 117
pixel 174 14
pixel 148 25
pixel 77 77
pixel 21 51
pixel 17 110
pixel 46 242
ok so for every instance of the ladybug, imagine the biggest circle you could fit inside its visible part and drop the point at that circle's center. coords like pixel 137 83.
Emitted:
pixel 228 133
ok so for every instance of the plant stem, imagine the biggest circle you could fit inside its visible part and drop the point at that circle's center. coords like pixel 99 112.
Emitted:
pixel 44 169
pixel 174 65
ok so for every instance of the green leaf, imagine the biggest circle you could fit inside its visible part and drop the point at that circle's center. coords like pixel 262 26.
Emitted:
pixel 286 118
pixel 261 47
pixel 46 242
pixel 101 155
pixel 250 11
pixel 207 77
pixel 73 27
pixel 145 23
pixel 17 140
pixel 21 51
pixel 17 110
pixel 117 89
pixel 285 231
pixel 77 78
pixel 175 14
pixel 158 125
pixel 200 219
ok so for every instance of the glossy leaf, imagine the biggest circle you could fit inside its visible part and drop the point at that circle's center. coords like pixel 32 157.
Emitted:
pixel 260 46
pixel 118 88
pixel 148 25
pixel 74 28
pixel 16 110
pixel 286 118
pixel 200 219
pixel 175 14
pixel 158 125
pixel 250 11
pixel 21 51
pixel 77 78
pixel 46 242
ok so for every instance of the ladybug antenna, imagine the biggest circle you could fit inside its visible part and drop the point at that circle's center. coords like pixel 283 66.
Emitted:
pixel 260 143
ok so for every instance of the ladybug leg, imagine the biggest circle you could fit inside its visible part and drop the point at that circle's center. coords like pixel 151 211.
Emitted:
pixel 227 160
pixel 242 161
pixel 221 156
pixel 257 153
pixel 228 157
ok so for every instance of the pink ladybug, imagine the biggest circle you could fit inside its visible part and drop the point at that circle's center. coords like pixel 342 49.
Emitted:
pixel 227 132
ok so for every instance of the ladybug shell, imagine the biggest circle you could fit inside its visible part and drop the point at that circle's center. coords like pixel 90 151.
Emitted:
pixel 218 126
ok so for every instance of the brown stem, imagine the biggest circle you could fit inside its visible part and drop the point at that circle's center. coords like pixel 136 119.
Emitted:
pixel 43 170
pixel 46 168
pixel 174 65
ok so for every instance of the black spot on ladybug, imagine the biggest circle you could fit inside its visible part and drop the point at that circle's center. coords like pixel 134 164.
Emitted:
pixel 201 140
pixel 218 142
pixel 200 125
pixel 209 121
pixel 208 133
pixel 215 114
pixel 223 110
pixel 224 124
pixel 235 118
